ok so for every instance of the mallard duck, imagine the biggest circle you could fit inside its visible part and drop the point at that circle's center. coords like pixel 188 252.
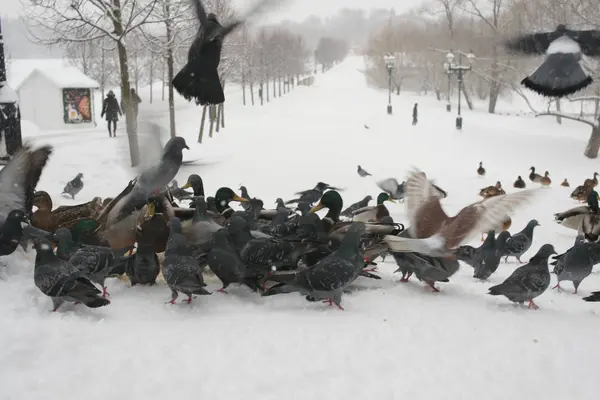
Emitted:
pixel 565 183
pixel 592 182
pixel 481 170
pixel 519 183
pixel 545 181
pixel 434 233
pixel 153 223
pixel 533 177
pixel 177 192
pixel 196 183
pixel 373 213
pixel 332 201
pixel 492 191
pixel 574 217
pixel 581 192
pixel 62 217
pixel 224 196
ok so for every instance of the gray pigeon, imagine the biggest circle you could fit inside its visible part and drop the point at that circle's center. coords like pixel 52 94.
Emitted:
pixel 61 280
pixel 73 187
pixel 327 279
pixel 311 196
pixel 519 243
pixel 19 178
pixel 245 195
pixel 528 281
pixel 594 297
pixel 393 188
pixel 561 73
pixel 143 268
pixel 486 258
pixel 180 269
pixel 152 180
pixel 225 262
pixel 362 173
pixel 177 192
pixel 356 206
pixel 577 263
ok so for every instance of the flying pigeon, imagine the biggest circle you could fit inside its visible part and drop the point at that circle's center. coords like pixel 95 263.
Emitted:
pixel 561 73
pixel 519 243
pixel 362 173
pixel 528 281
pixel 61 280
pixel 435 233
pixel 73 187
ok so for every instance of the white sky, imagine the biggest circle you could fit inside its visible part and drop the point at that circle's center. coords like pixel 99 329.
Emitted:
pixel 295 10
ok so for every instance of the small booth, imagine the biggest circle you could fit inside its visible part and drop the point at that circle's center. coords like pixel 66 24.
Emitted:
pixel 57 98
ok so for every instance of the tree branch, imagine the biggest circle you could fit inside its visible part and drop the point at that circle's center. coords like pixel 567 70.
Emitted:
pixel 566 116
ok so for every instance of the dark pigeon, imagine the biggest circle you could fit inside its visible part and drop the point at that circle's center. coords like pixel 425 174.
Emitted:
pixel 561 73
pixel 528 281
pixel 225 262
pixel 311 196
pixel 519 243
pixel 356 206
pixel 362 173
pixel 577 263
pixel 245 195
pixel 180 269
pixel 62 281
pixel 179 193
pixel 11 232
pixel 73 187
pixel 486 258
pixel 327 279
pixel 594 297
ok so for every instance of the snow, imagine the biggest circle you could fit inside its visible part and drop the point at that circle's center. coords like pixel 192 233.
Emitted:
pixel 7 95
pixel 394 341
pixel 63 77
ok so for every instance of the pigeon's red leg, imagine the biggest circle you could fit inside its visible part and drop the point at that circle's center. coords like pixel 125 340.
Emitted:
pixel 532 305
pixel 328 301
pixel 557 286
pixel 77 302
pixel 432 286
pixel 222 290
pixel 340 307
pixel 575 292
pixel 105 292
pixel 188 300
pixel 374 269
pixel 171 302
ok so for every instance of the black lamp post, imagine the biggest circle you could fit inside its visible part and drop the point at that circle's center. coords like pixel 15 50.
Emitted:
pixel 459 70
pixel 389 63
pixel 10 117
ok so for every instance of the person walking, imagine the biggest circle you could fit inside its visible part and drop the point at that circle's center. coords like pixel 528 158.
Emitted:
pixel 415 114
pixel 110 108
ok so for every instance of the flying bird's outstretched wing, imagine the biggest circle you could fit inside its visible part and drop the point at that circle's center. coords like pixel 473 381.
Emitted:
pixel 535 43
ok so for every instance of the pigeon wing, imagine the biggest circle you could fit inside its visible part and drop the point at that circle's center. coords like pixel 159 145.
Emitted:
pixel 589 41
pixel 536 43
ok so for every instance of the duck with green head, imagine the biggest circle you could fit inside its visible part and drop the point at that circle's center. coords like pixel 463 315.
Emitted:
pixel 333 202
pixel 224 196
pixel 374 213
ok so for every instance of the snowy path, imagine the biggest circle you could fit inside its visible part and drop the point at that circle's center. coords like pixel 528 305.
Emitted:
pixel 394 341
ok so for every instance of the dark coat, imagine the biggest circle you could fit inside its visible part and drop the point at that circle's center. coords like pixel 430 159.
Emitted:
pixel 415 112
pixel 111 109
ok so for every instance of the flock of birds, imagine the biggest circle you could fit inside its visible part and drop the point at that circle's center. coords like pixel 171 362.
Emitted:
pixel 145 232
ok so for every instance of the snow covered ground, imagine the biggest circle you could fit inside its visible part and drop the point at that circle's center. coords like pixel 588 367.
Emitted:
pixel 394 341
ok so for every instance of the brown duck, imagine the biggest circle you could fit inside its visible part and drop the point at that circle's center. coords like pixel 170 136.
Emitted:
pixel 64 216
pixel 492 191
pixel 545 180
pixel 533 176
pixel 481 170
pixel 592 182
pixel 519 183
pixel 565 183
pixel 437 234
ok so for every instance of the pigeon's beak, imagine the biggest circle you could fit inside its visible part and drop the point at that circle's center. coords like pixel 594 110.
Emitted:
pixel 316 208
pixel 240 199
pixel 187 186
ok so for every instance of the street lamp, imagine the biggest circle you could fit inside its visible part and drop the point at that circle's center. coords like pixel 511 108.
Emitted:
pixel 389 63
pixel 457 68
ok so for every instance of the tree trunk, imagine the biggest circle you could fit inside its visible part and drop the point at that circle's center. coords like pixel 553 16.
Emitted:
pixel 274 87
pixel 558 117
pixel 279 83
pixel 103 70
pixel 438 95
pixel 151 75
pixel 243 86
pixel 467 97
pixel 211 116
pixel 134 149
pixel 218 119
pixel 252 92
pixel 222 105
pixel 493 100
pixel 202 120
pixel 593 145
pixel 164 69
pixel 170 74
pixel 267 89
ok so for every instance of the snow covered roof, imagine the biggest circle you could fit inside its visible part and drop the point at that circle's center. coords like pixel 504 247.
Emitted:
pixel 63 77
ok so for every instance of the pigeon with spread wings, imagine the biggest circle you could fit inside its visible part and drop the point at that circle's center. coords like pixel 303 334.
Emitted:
pixel 561 73
pixel 435 233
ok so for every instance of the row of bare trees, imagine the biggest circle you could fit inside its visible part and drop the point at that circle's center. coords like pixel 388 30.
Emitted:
pixel 421 39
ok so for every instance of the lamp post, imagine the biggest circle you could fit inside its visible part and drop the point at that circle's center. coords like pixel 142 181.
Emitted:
pixel 458 69
pixel 389 63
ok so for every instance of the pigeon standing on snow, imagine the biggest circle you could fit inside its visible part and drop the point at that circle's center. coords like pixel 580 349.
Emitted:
pixel 577 263
pixel 519 243
pixel 73 187
pixel 561 73
pixel 435 233
pixel 62 281
pixel 528 281
pixel 362 173
pixel 225 262
pixel 327 279
pixel 180 269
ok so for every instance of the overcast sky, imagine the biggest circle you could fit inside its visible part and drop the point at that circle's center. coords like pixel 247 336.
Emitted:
pixel 295 10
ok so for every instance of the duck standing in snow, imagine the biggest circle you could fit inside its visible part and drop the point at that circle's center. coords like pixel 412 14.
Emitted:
pixel 519 183
pixel 437 234
pixel 533 176
pixel 73 187
pixel 481 170
pixel 545 180
pixel 561 73
pixel 491 191
pixel 565 183
pixel 528 281
pixel 373 213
